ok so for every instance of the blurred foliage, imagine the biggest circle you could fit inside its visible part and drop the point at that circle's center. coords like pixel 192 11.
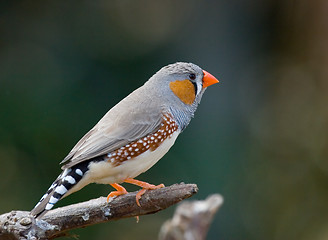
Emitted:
pixel 259 137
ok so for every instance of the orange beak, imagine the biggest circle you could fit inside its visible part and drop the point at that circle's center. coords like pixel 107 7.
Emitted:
pixel 208 79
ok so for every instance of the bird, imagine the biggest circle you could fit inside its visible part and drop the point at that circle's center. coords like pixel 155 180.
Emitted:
pixel 132 136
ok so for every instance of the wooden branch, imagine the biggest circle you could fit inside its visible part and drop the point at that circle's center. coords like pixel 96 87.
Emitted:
pixel 191 220
pixel 20 225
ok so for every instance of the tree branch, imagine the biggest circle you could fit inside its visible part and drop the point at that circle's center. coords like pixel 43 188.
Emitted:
pixel 191 219
pixel 20 225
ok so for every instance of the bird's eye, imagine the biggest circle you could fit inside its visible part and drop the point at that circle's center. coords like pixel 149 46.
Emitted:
pixel 192 76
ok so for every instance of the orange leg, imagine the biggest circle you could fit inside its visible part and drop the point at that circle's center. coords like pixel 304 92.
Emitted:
pixel 145 186
pixel 120 191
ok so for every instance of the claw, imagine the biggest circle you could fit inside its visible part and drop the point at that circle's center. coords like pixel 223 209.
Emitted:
pixel 120 191
pixel 145 186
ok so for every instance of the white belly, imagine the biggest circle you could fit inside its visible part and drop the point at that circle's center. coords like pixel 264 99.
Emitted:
pixel 104 172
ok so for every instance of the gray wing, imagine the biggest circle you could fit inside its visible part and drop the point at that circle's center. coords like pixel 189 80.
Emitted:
pixel 124 123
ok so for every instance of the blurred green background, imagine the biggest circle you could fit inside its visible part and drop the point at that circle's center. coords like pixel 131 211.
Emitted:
pixel 259 137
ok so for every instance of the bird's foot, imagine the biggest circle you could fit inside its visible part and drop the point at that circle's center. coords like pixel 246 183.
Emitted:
pixel 120 191
pixel 145 186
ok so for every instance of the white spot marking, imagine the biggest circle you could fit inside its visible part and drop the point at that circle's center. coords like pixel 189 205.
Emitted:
pixel 44 196
pixel 49 206
pixel 79 172
pixel 61 190
pixel 70 179
pixel 53 200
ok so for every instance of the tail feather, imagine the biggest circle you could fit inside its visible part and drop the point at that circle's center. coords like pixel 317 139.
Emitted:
pixel 59 189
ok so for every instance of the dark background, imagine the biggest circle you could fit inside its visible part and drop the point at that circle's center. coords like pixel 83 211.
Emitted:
pixel 259 136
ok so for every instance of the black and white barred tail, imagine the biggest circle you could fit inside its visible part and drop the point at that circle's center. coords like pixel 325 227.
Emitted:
pixel 60 188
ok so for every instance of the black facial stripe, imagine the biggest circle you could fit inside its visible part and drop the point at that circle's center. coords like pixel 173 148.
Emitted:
pixel 195 87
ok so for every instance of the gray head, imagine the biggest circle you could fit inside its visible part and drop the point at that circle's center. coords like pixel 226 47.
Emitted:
pixel 181 88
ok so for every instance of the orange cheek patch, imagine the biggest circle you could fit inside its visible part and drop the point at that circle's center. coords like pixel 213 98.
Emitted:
pixel 184 90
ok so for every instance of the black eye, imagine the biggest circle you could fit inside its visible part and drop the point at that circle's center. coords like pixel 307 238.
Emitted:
pixel 192 76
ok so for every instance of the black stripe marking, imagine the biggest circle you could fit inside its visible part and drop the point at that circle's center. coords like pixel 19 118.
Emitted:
pixel 195 87
pixel 76 176
pixel 67 185
pixel 42 207
pixel 57 195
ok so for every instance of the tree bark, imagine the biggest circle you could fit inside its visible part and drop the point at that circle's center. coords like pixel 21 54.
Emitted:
pixel 191 220
pixel 56 223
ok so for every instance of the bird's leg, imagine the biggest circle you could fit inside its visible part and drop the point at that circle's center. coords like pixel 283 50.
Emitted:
pixel 145 186
pixel 120 191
